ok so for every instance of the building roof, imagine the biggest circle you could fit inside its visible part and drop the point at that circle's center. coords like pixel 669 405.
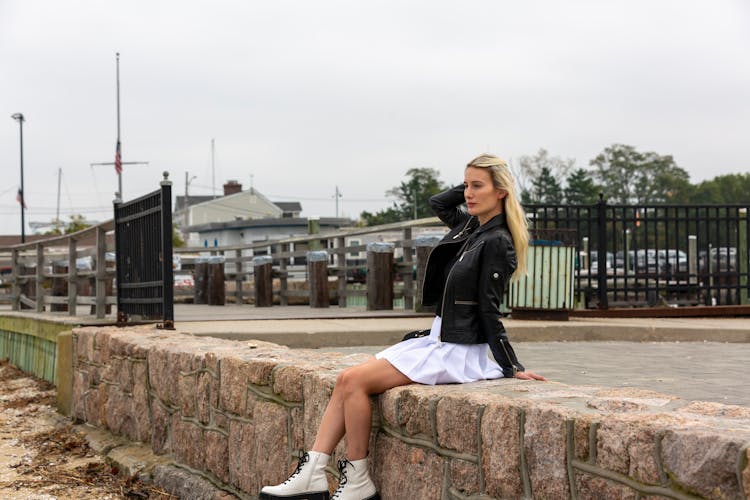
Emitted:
pixel 288 206
pixel 179 203
pixel 268 222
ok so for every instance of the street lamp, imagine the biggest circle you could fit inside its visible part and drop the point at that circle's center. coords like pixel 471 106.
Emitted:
pixel 20 119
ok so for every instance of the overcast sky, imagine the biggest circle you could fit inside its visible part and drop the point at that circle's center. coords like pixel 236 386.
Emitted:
pixel 303 96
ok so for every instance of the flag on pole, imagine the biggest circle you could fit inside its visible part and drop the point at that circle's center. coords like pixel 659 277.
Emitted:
pixel 19 198
pixel 118 159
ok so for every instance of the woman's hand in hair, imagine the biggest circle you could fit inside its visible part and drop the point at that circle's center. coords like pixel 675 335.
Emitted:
pixel 529 375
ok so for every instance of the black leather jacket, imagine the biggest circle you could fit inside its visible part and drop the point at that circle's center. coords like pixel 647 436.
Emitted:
pixel 471 295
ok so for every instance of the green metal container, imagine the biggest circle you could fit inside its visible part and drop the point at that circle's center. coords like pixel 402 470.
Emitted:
pixel 546 292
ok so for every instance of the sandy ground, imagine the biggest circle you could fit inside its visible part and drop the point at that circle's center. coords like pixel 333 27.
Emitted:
pixel 43 458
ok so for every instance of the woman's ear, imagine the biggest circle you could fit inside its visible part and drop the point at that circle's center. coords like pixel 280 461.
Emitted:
pixel 501 193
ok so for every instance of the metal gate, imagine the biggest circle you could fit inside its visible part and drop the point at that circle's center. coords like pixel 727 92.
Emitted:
pixel 143 243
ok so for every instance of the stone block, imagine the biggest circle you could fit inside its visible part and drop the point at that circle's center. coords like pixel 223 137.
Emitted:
pixel 241 459
pixel 297 416
pixel 188 443
pixel 501 449
pixel 206 397
pixel 141 412
pixel 596 488
pixel 259 370
pixel 186 394
pixel 403 471
pixel 288 382
pixel 545 448
pixel 581 434
pixel 118 414
pixel 388 403
pixel 234 378
pixel 160 428
pixel 217 454
pixel 84 343
pixel 703 461
pixel 415 407
pixel 745 474
pixel 271 446
pixel 101 347
pixel 464 477
pixel 627 444
pixel 162 378
pixel 457 423
pixel 80 386
pixel 317 393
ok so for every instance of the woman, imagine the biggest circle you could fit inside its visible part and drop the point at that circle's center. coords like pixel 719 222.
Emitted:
pixel 465 278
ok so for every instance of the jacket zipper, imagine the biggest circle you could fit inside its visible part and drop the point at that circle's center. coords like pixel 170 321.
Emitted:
pixel 445 288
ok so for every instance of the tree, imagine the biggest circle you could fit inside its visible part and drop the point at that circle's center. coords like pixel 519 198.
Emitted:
pixel 723 189
pixel 581 188
pixel 628 176
pixel 412 198
pixel 77 223
pixel 542 176
pixel 546 188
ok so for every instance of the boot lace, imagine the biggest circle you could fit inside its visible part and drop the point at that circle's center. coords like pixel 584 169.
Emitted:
pixel 303 458
pixel 342 480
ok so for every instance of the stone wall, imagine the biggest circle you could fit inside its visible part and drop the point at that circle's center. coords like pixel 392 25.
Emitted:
pixel 235 414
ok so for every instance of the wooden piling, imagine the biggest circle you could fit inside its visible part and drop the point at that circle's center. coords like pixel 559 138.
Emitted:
pixel 216 295
pixel 380 276
pixel 263 280
pixel 317 277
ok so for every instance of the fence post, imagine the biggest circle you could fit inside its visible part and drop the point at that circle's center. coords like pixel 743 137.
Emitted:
pixel 342 271
pixel 216 294
pixel 167 275
pixel 200 279
pixel 15 277
pixel 101 272
pixel 408 270
pixel 317 277
pixel 692 259
pixel 283 277
pixel 238 277
pixel 72 277
pixel 424 245
pixel 379 276
pixel 263 278
pixel 601 251
pixel 742 254
pixel 59 286
pixel 39 278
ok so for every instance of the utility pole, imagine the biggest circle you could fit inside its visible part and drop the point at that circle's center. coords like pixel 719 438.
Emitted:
pixel 59 176
pixel 213 171
pixel 337 196
pixel 22 198
pixel 118 163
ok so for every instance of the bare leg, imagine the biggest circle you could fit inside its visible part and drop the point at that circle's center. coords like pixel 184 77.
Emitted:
pixel 349 410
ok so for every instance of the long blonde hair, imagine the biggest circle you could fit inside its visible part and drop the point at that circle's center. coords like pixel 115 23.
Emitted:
pixel 515 216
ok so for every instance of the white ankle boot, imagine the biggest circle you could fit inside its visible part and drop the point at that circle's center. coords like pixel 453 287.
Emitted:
pixel 308 482
pixel 355 482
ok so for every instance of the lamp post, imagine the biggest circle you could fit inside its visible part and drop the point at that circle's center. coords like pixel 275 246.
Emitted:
pixel 20 119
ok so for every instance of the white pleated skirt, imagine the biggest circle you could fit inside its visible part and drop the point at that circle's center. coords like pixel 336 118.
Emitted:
pixel 428 360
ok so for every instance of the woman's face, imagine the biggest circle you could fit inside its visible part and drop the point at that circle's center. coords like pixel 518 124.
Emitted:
pixel 483 199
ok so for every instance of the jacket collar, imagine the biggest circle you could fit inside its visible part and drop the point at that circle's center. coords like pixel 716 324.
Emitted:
pixel 496 221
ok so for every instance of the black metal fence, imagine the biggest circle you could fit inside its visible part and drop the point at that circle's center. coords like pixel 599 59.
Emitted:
pixel 143 242
pixel 650 255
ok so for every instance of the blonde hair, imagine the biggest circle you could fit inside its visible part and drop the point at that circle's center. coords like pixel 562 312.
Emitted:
pixel 502 178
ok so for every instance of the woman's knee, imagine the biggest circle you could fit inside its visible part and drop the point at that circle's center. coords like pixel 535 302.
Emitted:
pixel 349 381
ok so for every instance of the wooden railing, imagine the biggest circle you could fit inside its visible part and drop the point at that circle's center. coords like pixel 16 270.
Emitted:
pixel 238 259
pixel 40 271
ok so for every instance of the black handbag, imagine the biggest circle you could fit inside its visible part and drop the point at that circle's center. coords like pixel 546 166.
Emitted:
pixel 416 334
